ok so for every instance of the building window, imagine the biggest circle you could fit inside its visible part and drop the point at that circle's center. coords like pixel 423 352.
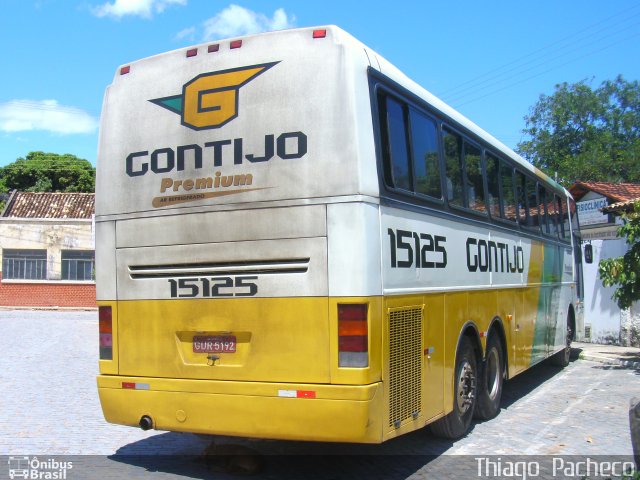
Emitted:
pixel 24 264
pixel 78 265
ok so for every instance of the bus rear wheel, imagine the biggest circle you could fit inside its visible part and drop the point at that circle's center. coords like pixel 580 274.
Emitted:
pixel 561 359
pixel 491 381
pixel 457 423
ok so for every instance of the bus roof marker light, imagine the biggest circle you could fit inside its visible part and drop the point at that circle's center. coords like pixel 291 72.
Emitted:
pixel 236 44
pixel 319 33
pixel 192 53
pixel 124 70
pixel 213 48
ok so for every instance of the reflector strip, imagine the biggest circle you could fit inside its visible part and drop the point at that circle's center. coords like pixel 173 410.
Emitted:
pixel 297 393
pixel 306 394
pixel 135 386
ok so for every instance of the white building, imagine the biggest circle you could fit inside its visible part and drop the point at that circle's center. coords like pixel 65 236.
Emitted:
pixel 604 321
pixel 47 250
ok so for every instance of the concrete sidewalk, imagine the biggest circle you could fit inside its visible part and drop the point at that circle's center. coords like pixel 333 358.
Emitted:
pixel 628 357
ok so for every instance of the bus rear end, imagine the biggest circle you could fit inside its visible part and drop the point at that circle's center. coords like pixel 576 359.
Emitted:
pixel 233 296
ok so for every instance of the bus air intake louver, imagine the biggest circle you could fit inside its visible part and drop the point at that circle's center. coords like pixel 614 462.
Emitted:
pixel 405 364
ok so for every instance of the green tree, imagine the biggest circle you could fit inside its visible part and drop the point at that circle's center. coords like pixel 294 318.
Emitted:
pixel 624 272
pixel 586 134
pixel 48 172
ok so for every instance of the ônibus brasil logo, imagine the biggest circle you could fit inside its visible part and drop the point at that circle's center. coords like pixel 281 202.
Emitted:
pixel 210 100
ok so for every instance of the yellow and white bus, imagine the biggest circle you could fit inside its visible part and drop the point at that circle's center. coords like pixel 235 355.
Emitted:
pixel 296 241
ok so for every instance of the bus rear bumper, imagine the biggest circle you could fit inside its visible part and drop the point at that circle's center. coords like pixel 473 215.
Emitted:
pixel 331 413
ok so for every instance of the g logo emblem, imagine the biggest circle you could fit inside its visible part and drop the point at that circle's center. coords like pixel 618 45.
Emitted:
pixel 210 100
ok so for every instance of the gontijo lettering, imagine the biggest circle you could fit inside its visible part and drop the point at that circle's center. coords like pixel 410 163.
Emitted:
pixel 287 146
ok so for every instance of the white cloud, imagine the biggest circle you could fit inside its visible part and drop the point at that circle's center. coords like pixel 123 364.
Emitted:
pixel 235 21
pixel 48 115
pixel 142 8
pixel 187 33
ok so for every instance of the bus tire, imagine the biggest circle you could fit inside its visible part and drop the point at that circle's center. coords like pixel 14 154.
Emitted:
pixel 457 423
pixel 561 358
pixel 491 380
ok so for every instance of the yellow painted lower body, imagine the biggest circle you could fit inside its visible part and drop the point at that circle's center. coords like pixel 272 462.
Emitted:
pixel 247 409
pixel 291 345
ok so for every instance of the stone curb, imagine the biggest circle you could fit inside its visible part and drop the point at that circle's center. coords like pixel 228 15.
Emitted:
pixel 632 364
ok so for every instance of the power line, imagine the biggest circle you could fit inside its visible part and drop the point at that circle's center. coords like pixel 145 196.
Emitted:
pixel 540 63
pixel 540 57
pixel 493 92
pixel 553 45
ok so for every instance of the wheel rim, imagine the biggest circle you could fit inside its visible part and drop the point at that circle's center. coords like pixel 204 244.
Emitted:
pixel 466 387
pixel 493 373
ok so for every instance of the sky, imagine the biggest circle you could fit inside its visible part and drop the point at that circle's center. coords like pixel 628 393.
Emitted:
pixel 491 60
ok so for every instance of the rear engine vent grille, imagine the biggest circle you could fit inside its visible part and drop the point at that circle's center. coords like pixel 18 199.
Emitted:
pixel 405 364
pixel 250 267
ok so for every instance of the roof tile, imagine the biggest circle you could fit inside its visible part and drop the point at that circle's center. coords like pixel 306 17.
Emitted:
pixel 50 205
pixel 618 192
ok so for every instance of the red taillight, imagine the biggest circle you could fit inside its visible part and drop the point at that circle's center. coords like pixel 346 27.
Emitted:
pixel 319 33
pixel 105 328
pixel 353 335
pixel 236 44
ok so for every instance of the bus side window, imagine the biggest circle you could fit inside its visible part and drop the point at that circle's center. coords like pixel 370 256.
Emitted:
pixel 521 199
pixel 506 175
pixel 552 201
pixel 542 205
pixel 426 167
pixel 398 171
pixel 474 186
pixel 533 217
pixel 493 186
pixel 453 165
pixel 564 209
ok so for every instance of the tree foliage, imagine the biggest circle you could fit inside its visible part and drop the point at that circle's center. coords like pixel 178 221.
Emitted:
pixel 48 172
pixel 624 272
pixel 586 134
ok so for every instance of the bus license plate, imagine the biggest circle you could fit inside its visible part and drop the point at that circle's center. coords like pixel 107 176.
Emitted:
pixel 214 344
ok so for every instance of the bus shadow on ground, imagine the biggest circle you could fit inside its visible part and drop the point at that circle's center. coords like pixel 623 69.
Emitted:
pixel 196 456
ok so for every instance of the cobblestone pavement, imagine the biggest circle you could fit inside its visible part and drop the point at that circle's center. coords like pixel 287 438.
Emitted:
pixel 49 406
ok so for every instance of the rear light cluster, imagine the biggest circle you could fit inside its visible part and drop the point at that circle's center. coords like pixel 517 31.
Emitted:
pixel 353 338
pixel 106 333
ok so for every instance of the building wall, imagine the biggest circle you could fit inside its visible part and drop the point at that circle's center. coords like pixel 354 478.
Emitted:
pixel 54 236
pixel 608 324
pixel 600 312
pixel 15 293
